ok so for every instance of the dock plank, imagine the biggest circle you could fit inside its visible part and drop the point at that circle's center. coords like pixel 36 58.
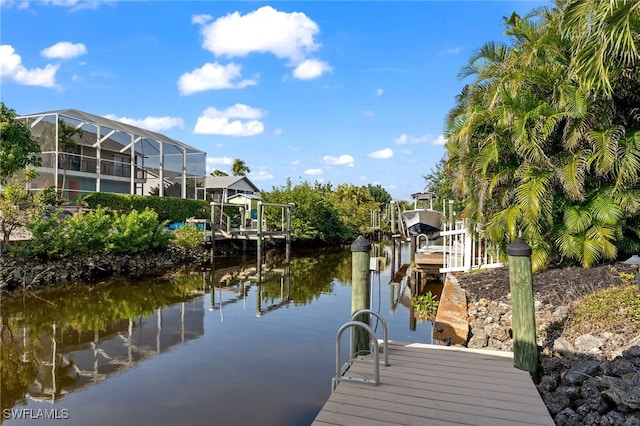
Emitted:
pixel 437 385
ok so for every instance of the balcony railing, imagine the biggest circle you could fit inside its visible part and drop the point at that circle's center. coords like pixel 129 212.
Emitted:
pixel 74 162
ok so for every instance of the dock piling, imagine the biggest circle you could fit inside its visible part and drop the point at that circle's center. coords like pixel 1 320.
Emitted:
pixel 360 290
pixel 525 350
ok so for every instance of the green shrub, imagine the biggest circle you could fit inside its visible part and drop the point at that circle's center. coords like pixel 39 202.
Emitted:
pixel 94 232
pixel 168 208
pixel 426 306
pixel 136 232
pixel 189 237
pixel 48 236
pixel 88 232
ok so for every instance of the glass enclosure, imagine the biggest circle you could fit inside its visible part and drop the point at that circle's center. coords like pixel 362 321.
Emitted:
pixel 83 153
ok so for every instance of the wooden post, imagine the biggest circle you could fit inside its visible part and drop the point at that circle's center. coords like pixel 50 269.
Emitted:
pixel 412 254
pixel 288 240
pixel 213 229
pixel 525 350
pixel 259 233
pixel 393 256
pixel 392 210
pixel 360 291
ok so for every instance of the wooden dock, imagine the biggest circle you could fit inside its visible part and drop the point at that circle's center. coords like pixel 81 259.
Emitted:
pixel 437 385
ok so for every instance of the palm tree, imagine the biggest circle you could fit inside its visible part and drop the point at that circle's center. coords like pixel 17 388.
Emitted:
pixel 66 145
pixel 529 146
pixel 604 35
pixel 239 168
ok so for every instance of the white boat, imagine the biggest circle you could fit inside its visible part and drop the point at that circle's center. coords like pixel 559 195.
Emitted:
pixel 423 220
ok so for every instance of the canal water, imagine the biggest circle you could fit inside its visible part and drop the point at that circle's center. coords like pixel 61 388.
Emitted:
pixel 228 344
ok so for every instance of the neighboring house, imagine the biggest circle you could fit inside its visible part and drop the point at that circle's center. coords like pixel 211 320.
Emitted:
pixel 249 203
pixel 222 188
pixel 110 156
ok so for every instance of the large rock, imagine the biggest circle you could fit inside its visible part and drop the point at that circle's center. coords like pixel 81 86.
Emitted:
pixel 624 393
pixel 580 372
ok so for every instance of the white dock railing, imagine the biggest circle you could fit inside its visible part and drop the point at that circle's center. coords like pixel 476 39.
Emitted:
pixel 464 252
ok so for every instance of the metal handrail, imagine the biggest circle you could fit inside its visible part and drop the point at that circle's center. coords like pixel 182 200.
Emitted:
pixel 376 358
pixel 385 334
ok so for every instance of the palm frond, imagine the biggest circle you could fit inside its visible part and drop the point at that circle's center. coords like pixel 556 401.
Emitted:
pixel 576 219
pixel 604 149
pixel 504 222
pixel 605 210
pixel 569 245
pixel 572 174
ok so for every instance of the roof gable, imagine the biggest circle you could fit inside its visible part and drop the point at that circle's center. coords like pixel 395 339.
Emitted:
pixel 241 183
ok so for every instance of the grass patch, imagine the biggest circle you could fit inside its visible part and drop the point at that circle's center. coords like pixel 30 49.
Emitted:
pixel 613 310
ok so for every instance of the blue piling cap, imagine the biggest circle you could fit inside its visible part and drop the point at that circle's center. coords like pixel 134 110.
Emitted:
pixel 361 244
pixel 519 247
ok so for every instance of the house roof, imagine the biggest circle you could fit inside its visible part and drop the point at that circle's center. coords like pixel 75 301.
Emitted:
pixel 116 125
pixel 221 182
pixel 248 196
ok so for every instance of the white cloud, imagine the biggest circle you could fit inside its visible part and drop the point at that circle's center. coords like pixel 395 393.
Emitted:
pixel 368 113
pixel 227 127
pixel 286 35
pixel 451 51
pixel 294 163
pixel 219 161
pixel 201 19
pixel 310 69
pixel 219 122
pixel 11 68
pixel 379 92
pixel 212 76
pixel 64 50
pixel 76 5
pixel 155 124
pixel 313 172
pixel 18 4
pixel 277 132
pixel 402 139
pixel 289 36
pixel 234 111
pixel 214 162
pixel 382 154
pixel 405 138
pixel 440 140
pixel 343 160
pixel 260 175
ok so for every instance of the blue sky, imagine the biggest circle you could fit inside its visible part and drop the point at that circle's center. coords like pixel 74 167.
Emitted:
pixel 341 92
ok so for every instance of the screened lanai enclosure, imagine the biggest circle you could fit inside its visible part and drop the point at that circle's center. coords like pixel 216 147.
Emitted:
pixel 83 153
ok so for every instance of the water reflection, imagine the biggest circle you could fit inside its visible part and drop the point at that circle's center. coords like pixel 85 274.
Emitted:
pixel 86 334
pixel 67 339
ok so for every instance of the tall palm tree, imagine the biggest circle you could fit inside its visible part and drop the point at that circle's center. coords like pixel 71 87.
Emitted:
pixel 529 145
pixel 239 168
pixel 66 145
